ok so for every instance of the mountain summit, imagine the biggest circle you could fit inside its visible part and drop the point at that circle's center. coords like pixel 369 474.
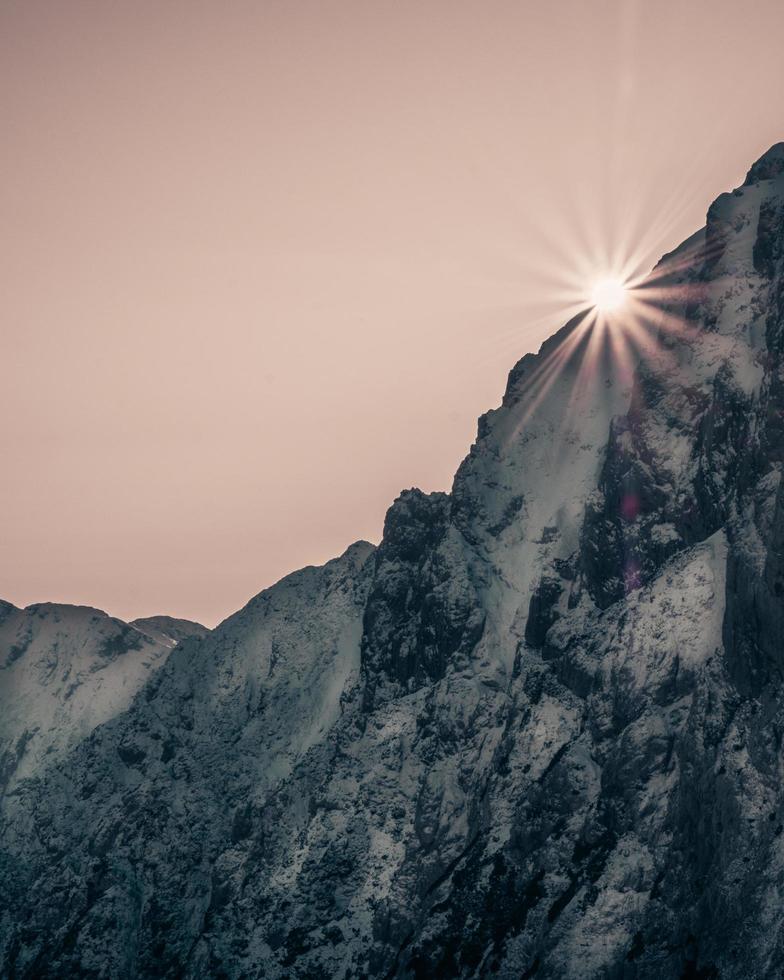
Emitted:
pixel 537 732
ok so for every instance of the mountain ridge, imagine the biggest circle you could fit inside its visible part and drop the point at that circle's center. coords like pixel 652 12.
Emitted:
pixel 64 670
pixel 537 731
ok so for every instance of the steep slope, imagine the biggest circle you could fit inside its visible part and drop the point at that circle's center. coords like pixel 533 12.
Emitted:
pixel 64 670
pixel 218 729
pixel 536 732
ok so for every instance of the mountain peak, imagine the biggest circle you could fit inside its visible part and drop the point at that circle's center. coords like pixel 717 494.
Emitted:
pixel 537 730
pixel 168 629
pixel 769 166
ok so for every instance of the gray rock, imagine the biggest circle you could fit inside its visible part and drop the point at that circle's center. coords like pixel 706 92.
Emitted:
pixel 538 732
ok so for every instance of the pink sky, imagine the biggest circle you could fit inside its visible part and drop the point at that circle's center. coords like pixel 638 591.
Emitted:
pixel 263 264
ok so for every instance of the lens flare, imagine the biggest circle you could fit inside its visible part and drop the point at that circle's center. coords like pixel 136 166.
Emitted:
pixel 608 294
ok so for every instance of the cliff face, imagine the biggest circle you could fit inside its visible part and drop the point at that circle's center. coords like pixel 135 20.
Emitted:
pixel 536 732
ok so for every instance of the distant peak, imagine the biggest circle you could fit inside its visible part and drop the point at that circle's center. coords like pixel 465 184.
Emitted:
pixel 169 629
pixel 769 166
pixel 44 609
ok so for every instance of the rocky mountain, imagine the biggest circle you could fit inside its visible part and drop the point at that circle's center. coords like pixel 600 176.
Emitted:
pixel 168 630
pixel 64 670
pixel 537 732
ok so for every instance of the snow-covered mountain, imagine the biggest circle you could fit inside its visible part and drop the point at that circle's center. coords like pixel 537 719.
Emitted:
pixel 537 732
pixel 168 630
pixel 64 670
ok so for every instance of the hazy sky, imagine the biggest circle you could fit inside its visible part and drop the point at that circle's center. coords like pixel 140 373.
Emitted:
pixel 263 263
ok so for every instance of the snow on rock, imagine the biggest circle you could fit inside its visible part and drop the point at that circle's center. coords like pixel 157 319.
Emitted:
pixel 537 732
pixel 63 671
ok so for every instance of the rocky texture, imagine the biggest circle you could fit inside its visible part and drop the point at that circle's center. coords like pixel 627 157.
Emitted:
pixel 64 670
pixel 536 733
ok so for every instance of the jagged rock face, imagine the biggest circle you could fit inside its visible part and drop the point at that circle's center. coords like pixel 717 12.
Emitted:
pixel 536 733
pixel 423 611
pixel 64 670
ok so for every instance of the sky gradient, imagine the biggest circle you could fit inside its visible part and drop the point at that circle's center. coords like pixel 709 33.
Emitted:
pixel 264 264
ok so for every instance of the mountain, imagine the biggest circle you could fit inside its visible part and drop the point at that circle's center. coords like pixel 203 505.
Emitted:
pixel 536 732
pixel 168 630
pixel 64 670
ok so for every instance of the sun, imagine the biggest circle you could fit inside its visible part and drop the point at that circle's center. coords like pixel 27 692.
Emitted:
pixel 608 294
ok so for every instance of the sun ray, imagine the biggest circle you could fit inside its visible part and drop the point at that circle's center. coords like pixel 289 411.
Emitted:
pixel 550 371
